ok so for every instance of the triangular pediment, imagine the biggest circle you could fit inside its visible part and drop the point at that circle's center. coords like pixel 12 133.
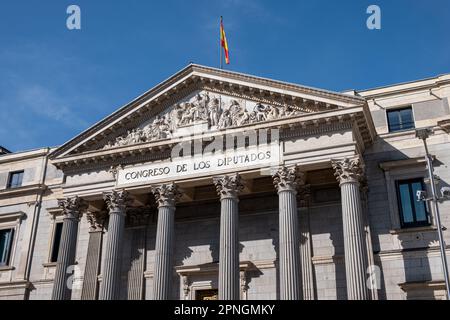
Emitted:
pixel 205 98
pixel 204 111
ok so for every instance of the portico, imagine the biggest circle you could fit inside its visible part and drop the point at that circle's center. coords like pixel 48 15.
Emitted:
pixel 218 153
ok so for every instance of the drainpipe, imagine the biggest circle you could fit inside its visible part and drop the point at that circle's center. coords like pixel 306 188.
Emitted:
pixel 35 222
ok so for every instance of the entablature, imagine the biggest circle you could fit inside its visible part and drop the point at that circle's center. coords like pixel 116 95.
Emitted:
pixel 354 118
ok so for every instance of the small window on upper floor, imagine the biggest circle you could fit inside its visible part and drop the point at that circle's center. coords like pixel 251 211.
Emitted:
pixel 400 119
pixel 15 179
pixel 6 240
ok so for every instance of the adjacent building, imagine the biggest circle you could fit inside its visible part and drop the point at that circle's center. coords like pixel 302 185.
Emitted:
pixel 221 185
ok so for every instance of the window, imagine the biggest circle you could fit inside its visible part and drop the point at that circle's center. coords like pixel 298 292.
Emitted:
pixel 413 213
pixel 56 242
pixel 15 179
pixel 206 294
pixel 400 119
pixel 6 240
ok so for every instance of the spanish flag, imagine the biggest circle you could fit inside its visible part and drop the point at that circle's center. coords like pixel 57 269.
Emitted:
pixel 223 41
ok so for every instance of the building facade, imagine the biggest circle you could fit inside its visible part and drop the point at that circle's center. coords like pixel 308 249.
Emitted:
pixel 220 185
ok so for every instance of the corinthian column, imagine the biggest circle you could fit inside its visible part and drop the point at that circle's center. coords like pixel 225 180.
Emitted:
pixel 72 210
pixel 166 196
pixel 286 182
pixel 228 188
pixel 96 221
pixel 117 203
pixel 349 173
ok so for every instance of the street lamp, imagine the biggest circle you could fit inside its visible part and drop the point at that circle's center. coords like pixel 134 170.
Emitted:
pixel 423 134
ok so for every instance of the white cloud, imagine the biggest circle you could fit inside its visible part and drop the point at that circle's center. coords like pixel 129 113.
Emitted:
pixel 41 92
pixel 43 102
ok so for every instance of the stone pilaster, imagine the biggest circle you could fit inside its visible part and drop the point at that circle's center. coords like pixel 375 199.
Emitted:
pixel 72 210
pixel 349 173
pixel 137 223
pixel 166 196
pixel 307 269
pixel 117 202
pixel 228 188
pixel 370 257
pixel 94 252
pixel 286 181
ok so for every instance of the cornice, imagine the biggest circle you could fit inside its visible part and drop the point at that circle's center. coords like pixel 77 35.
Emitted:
pixel 306 124
pixel 396 89
pixel 22 190
pixel 444 125
pixel 19 156
pixel 432 284
pixel 389 165
pixel 278 84
pixel 12 216
pixel 20 284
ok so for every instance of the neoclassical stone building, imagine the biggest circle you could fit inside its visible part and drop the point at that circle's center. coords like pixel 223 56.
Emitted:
pixel 216 184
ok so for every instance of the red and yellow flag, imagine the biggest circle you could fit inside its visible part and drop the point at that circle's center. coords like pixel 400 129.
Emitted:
pixel 223 41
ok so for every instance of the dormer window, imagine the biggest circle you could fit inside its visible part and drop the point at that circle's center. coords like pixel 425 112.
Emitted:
pixel 15 179
pixel 400 119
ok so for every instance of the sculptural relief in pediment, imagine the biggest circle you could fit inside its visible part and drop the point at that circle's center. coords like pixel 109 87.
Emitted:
pixel 214 112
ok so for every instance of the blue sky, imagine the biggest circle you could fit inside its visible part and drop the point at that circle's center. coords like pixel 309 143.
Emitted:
pixel 55 83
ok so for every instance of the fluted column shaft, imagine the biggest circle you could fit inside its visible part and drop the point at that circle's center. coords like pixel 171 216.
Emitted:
pixel 307 269
pixel 66 258
pixel 349 172
pixel 286 181
pixel 289 246
pixel 229 250
pixel 91 270
pixel 163 254
pixel 166 196
pixel 228 188
pixel 110 287
pixel 72 207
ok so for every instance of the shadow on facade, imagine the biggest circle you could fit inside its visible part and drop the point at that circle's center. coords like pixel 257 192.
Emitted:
pixel 414 269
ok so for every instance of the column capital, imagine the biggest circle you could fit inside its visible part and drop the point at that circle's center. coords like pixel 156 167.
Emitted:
pixel 228 186
pixel 72 207
pixel 348 170
pixel 288 179
pixel 117 200
pixel 96 220
pixel 138 217
pixel 166 195
pixel 304 195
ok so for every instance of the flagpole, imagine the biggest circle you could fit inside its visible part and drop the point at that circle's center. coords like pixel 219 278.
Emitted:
pixel 220 44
